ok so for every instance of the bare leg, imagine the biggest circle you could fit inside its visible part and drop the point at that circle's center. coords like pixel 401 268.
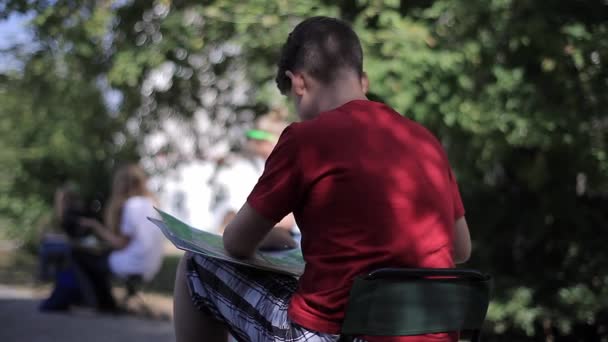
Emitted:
pixel 191 324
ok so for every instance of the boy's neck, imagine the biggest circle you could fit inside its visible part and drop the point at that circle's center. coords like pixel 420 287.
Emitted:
pixel 334 96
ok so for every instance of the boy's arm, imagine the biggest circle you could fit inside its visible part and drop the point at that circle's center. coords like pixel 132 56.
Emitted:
pixel 275 195
pixel 278 238
pixel 245 232
pixel 462 241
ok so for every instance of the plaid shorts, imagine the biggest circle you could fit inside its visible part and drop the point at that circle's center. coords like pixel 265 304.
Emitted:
pixel 251 303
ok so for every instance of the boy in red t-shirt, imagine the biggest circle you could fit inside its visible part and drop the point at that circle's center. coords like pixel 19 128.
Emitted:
pixel 368 188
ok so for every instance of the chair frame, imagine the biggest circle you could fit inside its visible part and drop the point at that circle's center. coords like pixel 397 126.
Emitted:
pixel 454 276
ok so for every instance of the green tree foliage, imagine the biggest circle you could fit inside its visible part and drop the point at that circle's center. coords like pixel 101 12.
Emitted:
pixel 516 90
pixel 56 126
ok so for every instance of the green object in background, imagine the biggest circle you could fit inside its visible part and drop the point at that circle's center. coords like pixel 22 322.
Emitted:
pixel 257 134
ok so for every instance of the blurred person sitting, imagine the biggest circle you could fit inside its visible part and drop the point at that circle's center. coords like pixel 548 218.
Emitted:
pixel 135 244
pixel 58 237
pixel 56 233
pixel 236 177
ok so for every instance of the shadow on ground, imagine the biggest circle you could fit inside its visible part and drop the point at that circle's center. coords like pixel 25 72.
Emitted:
pixel 21 321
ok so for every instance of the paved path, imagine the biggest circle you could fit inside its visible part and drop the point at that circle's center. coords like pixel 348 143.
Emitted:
pixel 21 321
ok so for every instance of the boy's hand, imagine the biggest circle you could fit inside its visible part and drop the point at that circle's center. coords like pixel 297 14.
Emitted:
pixel 278 239
pixel 245 232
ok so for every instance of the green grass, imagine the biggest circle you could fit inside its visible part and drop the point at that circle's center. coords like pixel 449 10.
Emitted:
pixel 164 279
pixel 18 267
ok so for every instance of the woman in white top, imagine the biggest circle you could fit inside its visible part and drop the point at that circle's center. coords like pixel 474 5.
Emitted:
pixel 136 244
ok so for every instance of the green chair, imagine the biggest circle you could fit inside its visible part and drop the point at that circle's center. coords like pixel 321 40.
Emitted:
pixel 401 302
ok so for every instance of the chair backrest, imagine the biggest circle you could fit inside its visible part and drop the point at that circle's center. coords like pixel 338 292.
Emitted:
pixel 398 302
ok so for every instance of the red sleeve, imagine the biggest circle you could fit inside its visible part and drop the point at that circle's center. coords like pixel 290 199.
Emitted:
pixel 278 189
pixel 456 199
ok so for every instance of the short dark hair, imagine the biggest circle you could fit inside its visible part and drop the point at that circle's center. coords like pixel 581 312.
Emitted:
pixel 322 47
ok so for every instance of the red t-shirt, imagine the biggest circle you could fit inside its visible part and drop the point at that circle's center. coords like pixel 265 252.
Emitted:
pixel 369 189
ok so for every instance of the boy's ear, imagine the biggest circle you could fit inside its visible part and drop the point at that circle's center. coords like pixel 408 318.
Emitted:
pixel 364 83
pixel 297 82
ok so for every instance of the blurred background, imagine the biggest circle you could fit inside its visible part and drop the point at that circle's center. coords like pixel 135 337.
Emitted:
pixel 517 91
